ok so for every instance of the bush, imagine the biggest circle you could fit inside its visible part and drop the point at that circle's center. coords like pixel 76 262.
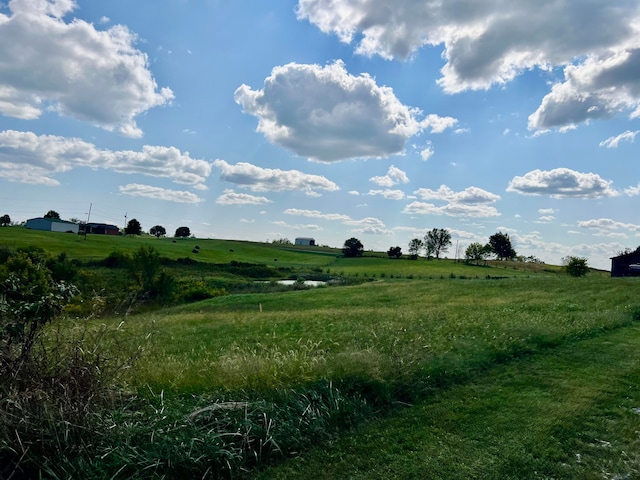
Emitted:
pixel 575 266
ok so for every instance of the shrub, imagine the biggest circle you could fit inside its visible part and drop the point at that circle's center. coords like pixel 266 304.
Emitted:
pixel 575 266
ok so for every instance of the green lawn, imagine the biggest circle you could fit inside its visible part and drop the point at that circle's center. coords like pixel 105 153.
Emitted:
pixel 570 413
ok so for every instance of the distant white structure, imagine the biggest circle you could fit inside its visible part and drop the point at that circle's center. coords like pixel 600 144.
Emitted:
pixel 310 242
pixel 52 225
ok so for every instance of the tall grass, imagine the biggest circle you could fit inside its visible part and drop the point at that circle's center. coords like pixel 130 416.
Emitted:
pixel 386 333
pixel 231 383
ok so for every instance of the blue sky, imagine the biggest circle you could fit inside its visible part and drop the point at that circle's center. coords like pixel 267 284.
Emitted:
pixel 381 120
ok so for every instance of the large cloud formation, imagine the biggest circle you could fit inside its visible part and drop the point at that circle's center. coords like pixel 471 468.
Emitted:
pixel 491 42
pixel 261 179
pixel 470 202
pixel 562 183
pixel 29 158
pixel 93 75
pixel 326 114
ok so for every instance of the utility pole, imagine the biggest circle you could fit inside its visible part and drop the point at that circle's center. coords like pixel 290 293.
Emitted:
pixel 125 222
pixel 86 225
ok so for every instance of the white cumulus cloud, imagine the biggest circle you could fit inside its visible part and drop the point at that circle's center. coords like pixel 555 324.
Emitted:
pixel 490 43
pixel 29 158
pixel 470 202
pixel 229 197
pixel 393 177
pixel 97 76
pixel 326 114
pixel 157 193
pixel 562 183
pixel 261 179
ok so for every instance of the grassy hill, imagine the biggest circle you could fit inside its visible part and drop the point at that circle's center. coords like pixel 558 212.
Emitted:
pixel 428 369
pixel 330 260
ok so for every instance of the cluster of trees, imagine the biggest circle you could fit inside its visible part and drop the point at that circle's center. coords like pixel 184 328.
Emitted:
pixel 135 228
pixel 436 242
pixel 499 245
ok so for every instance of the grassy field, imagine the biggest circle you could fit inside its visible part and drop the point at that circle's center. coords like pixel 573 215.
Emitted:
pixel 427 369
pixel 571 413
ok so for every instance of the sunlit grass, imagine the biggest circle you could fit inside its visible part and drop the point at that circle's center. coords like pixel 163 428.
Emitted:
pixel 383 332
pixel 570 413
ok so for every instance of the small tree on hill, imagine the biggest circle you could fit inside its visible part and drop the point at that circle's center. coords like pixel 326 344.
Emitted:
pixel 158 231
pixel 5 220
pixel 476 252
pixel 182 232
pixel 352 248
pixel 52 214
pixel 394 252
pixel 575 266
pixel 437 241
pixel 133 227
pixel 501 246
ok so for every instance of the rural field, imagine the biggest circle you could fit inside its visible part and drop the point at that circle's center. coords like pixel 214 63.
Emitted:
pixel 394 368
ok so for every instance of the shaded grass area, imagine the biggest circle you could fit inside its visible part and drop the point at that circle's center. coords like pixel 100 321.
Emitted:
pixel 572 412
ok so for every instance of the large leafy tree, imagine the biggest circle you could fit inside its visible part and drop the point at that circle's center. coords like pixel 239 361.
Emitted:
pixel 415 246
pixel 182 232
pixel 437 241
pixel 352 248
pixel 394 252
pixel 501 246
pixel 133 227
pixel 5 220
pixel 158 231
pixel 52 214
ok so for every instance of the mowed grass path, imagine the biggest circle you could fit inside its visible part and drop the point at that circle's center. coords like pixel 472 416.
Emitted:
pixel 568 413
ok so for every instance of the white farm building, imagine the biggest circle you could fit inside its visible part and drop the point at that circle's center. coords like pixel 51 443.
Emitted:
pixel 51 225
pixel 310 242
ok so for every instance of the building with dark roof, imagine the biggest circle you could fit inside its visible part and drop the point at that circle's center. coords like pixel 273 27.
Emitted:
pixel 627 265
pixel 100 229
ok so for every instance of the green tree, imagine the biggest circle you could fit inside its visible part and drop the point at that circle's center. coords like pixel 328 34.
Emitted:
pixel 352 248
pixel 133 227
pixel 52 214
pixel 5 220
pixel 437 241
pixel 501 246
pixel 158 231
pixel 182 232
pixel 476 252
pixel 575 266
pixel 394 252
pixel 415 246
